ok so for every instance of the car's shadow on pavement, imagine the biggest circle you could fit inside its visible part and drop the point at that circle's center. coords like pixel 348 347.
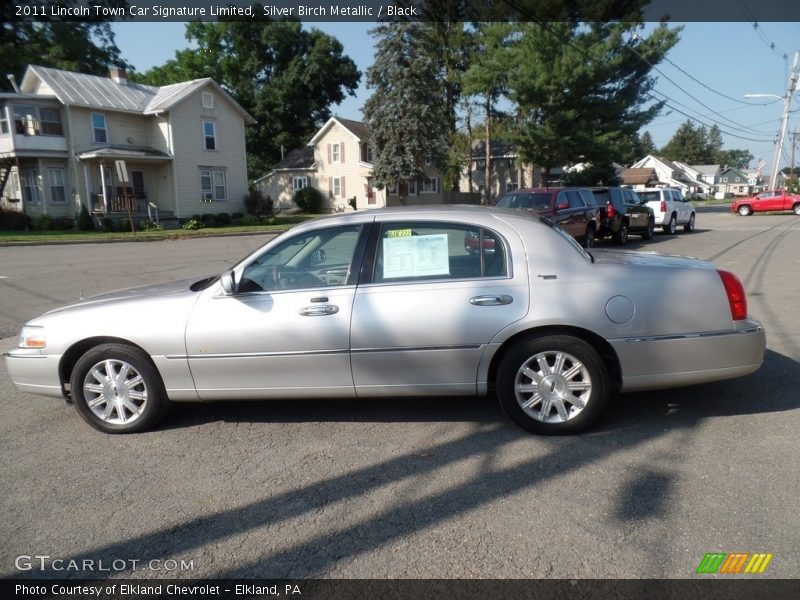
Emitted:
pixel 773 388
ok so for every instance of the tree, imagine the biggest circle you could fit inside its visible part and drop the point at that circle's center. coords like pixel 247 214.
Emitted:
pixel 405 115
pixel 85 47
pixel 738 158
pixel 286 77
pixel 689 144
pixel 582 90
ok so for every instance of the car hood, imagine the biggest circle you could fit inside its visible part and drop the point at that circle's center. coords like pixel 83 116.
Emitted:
pixel 172 288
pixel 646 259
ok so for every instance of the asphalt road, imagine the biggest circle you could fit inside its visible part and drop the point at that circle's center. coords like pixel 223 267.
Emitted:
pixel 419 488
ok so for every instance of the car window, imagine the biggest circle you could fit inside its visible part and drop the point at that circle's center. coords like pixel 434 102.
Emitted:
pixel 412 251
pixel 588 197
pixel 650 196
pixel 630 198
pixel 602 197
pixel 573 199
pixel 677 195
pixel 530 200
pixel 317 259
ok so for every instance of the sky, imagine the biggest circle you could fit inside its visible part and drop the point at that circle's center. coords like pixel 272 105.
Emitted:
pixel 709 72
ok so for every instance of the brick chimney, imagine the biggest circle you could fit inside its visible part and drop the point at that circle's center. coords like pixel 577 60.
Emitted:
pixel 119 75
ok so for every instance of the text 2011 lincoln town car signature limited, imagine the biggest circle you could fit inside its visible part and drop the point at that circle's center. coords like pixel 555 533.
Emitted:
pixel 392 302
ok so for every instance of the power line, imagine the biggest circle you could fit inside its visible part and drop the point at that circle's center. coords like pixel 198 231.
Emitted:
pixel 759 32
pixel 710 89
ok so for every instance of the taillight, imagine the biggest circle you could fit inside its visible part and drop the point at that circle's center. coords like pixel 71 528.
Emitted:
pixel 663 206
pixel 736 295
pixel 610 210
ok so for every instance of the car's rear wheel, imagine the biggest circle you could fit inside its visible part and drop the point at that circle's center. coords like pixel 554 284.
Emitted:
pixel 116 389
pixel 689 227
pixel 589 238
pixel 796 208
pixel 745 210
pixel 621 237
pixel 672 227
pixel 651 227
pixel 553 385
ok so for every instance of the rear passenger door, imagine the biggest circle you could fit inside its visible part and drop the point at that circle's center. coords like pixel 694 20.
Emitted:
pixel 571 213
pixel 429 301
pixel 637 212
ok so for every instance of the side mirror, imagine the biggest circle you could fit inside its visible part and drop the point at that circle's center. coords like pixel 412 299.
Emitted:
pixel 318 257
pixel 228 282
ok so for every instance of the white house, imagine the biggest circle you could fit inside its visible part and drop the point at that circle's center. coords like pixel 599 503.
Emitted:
pixel 62 133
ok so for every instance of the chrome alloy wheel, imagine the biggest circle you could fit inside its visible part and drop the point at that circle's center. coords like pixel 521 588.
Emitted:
pixel 553 387
pixel 115 392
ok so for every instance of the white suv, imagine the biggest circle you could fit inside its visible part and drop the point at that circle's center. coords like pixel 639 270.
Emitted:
pixel 670 208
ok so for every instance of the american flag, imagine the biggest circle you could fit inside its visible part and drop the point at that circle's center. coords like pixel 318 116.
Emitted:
pixel 761 164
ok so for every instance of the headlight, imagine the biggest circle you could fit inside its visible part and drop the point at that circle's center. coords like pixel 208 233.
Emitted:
pixel 31 337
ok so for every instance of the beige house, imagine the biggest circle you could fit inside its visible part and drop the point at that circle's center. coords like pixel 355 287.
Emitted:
pixel 338 162
pixel 62 135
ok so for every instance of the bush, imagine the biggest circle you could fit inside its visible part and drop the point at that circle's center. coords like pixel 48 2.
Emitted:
pixel 62 223
pixel 148 225
pixel 84 219
pixel 42 222
pixel 309 199
pixel 11 220
pixel 236 215
pixel 107 224
pixel 256 204
pixel 224 218
pixel 248 220
pixel 193 224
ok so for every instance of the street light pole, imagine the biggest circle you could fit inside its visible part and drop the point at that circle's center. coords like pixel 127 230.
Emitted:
pixel 787 101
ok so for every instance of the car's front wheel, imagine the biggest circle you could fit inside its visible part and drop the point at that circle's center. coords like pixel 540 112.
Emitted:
pixel 745 210
pixel 116 389
pixel 689 227
pixel 555 384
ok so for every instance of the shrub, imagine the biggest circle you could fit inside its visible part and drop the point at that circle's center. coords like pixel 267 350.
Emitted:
pixel 256 204
pixel 249 220
pixel 107 224
pixel 11 220
pixel 309 199
pixel 224 218
pixel 84 219
pixel 148 225
pixel 62 223
pixel 193 224
pixel 42 222
pixel 237 215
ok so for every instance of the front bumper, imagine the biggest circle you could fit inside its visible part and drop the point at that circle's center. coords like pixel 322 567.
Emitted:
pixel 34 372
pixel 674 361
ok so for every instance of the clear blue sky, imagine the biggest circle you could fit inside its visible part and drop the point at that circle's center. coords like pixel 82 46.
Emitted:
pixel 731 59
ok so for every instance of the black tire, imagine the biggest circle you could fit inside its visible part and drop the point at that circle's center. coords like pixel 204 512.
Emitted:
pixel 689 227
pixel 575 353
pixel 796 208
pixel 745 210
pixel 127 389
pixel 621 236
pixel 651 227
pixel 672 227
pixel 589 238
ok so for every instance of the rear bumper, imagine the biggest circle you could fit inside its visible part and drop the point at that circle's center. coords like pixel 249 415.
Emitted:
pixel 35 373
pixel 674 361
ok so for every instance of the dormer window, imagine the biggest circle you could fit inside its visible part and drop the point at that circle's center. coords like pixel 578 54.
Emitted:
pixel 99 128
pixel 208 100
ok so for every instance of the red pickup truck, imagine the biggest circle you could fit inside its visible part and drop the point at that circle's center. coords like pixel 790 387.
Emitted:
pixel 772 200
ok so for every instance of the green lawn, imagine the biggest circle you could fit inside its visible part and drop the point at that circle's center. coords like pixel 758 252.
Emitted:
pixel 55 237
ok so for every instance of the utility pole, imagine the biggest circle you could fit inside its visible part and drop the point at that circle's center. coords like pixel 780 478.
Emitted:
pixel 787 102
pixel 794 144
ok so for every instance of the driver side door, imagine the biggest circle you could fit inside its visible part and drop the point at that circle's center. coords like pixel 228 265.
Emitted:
pixel 286 330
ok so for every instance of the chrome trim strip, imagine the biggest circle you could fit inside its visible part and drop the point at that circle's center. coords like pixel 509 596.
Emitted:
pixel 659 338
pixel 319 352
pixel 417 348
pixel 11 354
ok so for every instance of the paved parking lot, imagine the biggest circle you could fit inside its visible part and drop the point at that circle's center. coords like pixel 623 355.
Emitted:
pixel 417 488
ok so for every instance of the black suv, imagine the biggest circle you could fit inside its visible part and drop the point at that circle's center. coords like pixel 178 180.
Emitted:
pixel 622 212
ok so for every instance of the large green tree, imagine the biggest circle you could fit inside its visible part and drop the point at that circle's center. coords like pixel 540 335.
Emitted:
pixel 85 46
pixel 689 144
pixel 406 117
pixel 582 89
pixel 285 76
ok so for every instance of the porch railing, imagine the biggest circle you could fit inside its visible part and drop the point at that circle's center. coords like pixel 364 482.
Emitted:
pixel 117 203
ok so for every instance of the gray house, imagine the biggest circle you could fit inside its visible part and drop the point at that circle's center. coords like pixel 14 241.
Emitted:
pixel 62 133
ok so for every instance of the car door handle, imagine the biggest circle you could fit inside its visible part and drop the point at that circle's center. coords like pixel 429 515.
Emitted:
pixel 319 310
pixel 491 300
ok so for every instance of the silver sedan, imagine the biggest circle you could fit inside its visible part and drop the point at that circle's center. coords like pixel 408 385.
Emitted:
pixel 401 302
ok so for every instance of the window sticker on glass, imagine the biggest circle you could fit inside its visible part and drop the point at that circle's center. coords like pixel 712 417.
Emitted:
pixel 395 233
pixel 416 256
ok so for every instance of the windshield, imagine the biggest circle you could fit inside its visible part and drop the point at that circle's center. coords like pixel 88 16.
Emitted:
pixel 539 201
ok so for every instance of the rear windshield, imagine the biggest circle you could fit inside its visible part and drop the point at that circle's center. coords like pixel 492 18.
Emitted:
pixel 532 201
pixel 649 196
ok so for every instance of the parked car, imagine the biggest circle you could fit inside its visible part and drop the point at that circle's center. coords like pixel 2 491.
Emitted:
pixel 622 212
pixel 772 200
pixel 573 208
pixel 389 303
pixel 670 208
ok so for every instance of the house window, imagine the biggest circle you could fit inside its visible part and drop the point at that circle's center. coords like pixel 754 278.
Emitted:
pixel 298 183
pixel 212 185
pixel 430 185
pixel 25 120
pixel 336 153
pixel 137 178
pixel 30 185
pixel 208 100
pixel 50 122
pixel 412 188
pixel 366 152
pixel 336 187
pixel 3 121
pixel 57 191
pixel 724 180
pixel 511 186
pixel 99 128
pixel 210 134
pixel 737 180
